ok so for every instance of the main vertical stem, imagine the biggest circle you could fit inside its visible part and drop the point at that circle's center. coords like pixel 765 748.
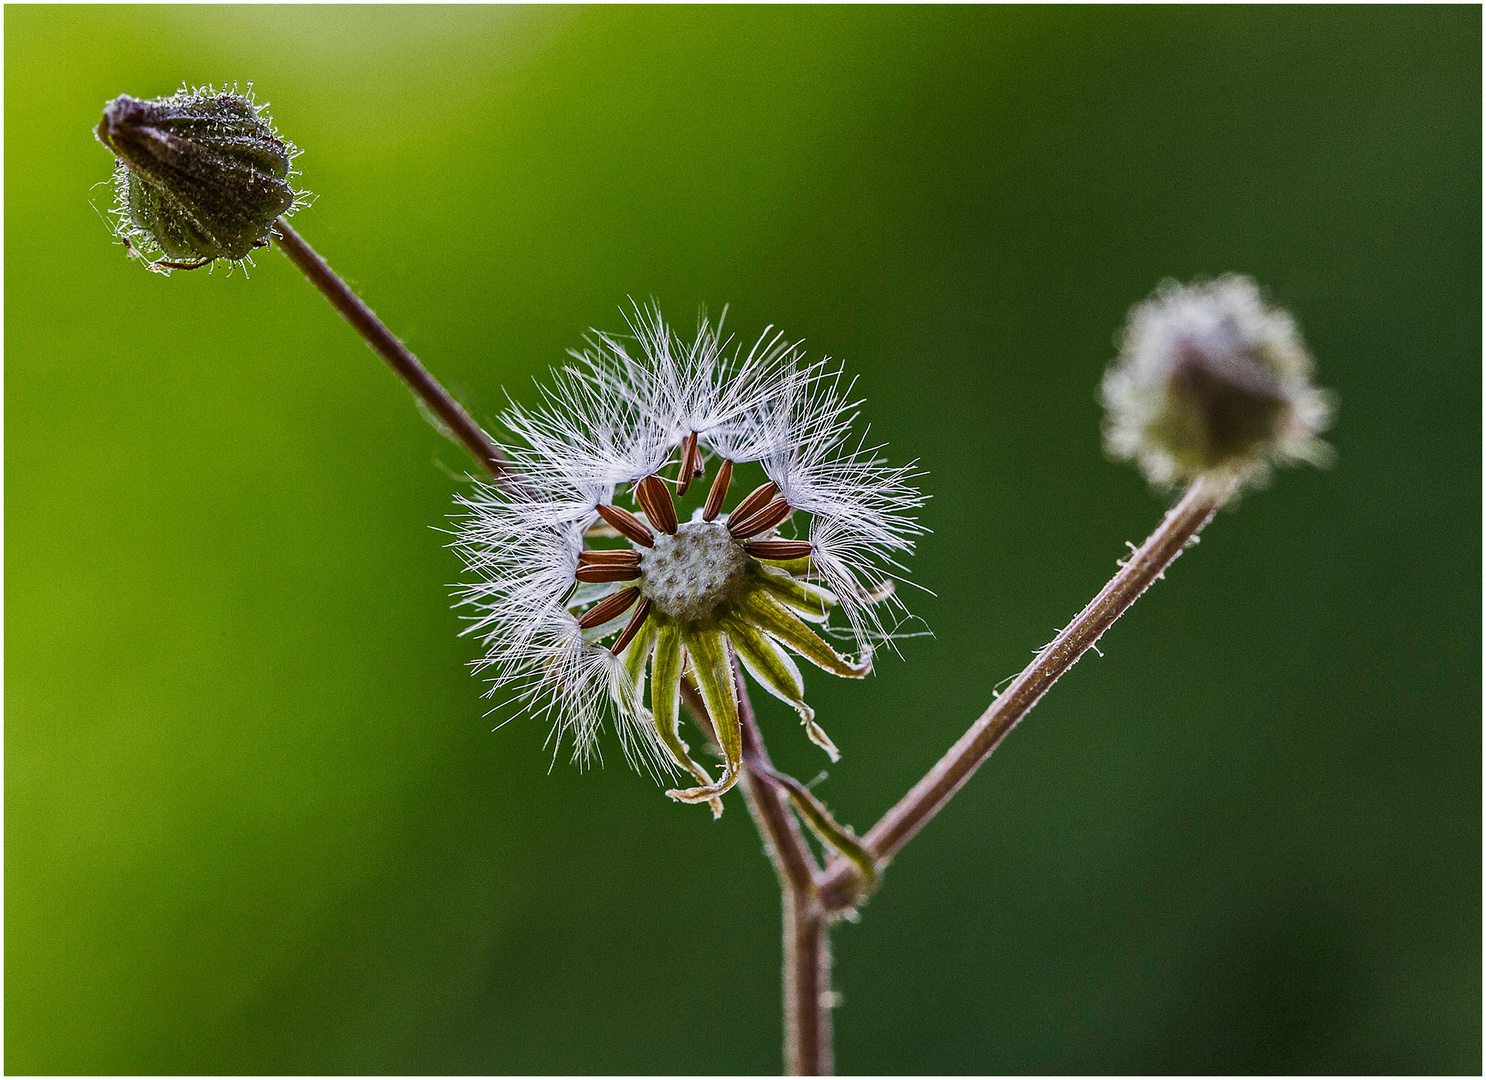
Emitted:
pixel 807 939
pixel 807 945
pixel 807 987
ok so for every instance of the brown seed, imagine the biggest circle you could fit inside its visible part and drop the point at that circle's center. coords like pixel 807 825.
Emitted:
pixel 627 524
pixel 655 499
pixel 607 573
pixel 755 499
pixel 608 608
pixel 760 521
pixel 689 460
pixel 608 557
pixel 778 549
pixel 636 621
pixel 719 491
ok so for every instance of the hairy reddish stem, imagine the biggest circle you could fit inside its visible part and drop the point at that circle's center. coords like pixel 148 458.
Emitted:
pixel 450 413
pixel 841 885
pixel 807 942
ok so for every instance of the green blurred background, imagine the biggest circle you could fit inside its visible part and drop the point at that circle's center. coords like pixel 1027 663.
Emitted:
pixel 255 817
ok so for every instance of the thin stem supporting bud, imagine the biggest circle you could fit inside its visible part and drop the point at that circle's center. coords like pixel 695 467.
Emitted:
pixel 450 413
pixel 842 884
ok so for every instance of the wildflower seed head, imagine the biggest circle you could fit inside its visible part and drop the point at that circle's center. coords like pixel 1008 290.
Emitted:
pixel 595 599
pixel 692 574
pixel 1211 380
pixel 199 176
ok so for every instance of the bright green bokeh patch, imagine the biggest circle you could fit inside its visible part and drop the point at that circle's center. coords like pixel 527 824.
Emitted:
pixel 255 816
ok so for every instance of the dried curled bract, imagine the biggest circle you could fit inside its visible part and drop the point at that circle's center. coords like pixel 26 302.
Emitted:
pixel 201 175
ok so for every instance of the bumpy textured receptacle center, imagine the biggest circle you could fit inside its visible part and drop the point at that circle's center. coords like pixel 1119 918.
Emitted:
pixel 691 573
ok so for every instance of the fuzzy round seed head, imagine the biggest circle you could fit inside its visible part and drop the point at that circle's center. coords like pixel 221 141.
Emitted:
pixel 574 623
pixel 1211 380
pixel 200 176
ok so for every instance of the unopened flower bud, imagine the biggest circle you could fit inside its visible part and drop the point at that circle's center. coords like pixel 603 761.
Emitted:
pixel 201 176
pixel 1211 380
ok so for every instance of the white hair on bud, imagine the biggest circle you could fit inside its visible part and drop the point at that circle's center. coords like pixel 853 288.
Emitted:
pixel 1212 379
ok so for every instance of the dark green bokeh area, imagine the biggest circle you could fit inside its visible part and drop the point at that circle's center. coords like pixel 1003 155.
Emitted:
pixel 255 816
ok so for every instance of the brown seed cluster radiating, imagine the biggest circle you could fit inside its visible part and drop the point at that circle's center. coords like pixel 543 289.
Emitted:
pixel 614 565
pixel 610 607
pixel 759 511
pixel 628 525
pixel 655 499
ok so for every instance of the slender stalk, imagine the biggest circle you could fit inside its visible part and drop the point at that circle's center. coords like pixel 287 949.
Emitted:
pixel 450 413
pixel 807 987
pixel 807 939
pixel 841 884
pixel 807 944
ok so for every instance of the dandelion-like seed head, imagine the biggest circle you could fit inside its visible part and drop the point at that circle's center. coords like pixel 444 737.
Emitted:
pixel 1211 380
pixel 594 611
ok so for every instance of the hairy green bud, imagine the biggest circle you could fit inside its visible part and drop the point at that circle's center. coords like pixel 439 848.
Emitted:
pixel 201 175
